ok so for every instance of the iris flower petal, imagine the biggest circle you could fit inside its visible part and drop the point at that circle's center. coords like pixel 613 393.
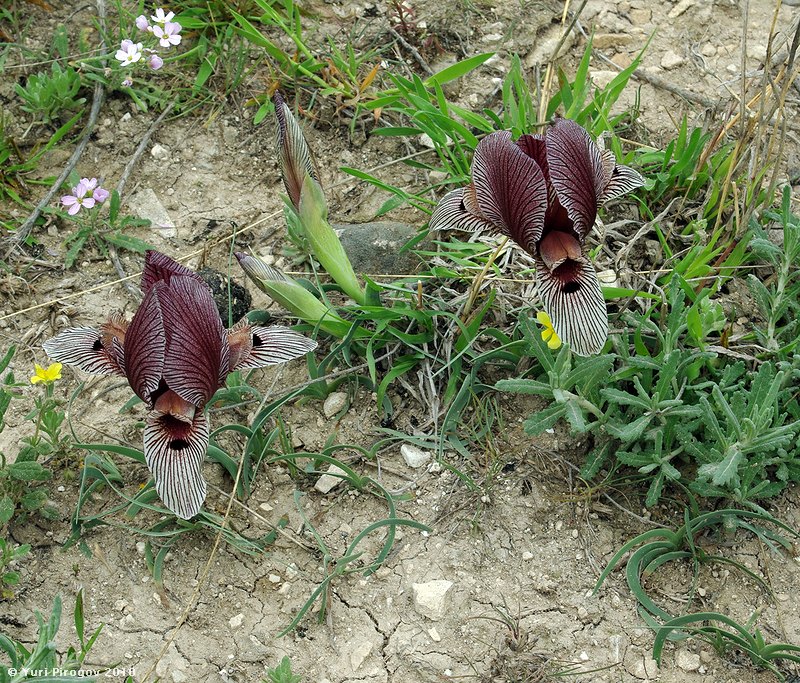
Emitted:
pixel 158 267
pixel 575 304
pixel 84 348
pixel 451 214
pixel 145 344
pixel 576 171
pixel 196 360
pixel 294 154
pixel 623 179
pixel 256 347
pixel 174 453
pixel 510 189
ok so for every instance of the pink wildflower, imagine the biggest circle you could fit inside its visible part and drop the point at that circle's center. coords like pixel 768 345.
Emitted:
pixel 78 199
pixel 168 35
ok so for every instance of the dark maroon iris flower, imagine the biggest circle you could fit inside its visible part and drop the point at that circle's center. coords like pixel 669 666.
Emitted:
pixel 175 354
pixel 543 192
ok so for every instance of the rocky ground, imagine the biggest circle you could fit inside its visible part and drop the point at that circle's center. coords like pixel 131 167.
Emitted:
pixel 501 587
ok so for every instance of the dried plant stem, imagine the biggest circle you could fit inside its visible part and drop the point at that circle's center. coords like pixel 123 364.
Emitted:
pixel 478 281
pixel 418 58
pixel 24 230
pixel 548 76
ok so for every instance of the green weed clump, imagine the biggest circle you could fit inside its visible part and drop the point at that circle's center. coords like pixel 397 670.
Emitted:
pixel 43 661
pixel 674 409
pixel 20 481
pixel 283 673
pixel 654 549
pixel 10 577
pixel 48 95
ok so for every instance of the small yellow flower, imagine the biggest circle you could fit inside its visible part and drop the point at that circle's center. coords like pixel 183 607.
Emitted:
pixel 548 333
pixel 49 375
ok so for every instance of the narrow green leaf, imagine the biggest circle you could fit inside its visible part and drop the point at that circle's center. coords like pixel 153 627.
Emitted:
pixel 457 70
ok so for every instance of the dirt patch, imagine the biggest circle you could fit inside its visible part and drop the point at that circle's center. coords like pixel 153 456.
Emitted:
pixel 500 588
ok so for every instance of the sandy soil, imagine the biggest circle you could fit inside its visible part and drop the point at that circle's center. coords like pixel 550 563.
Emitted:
pixel 526 545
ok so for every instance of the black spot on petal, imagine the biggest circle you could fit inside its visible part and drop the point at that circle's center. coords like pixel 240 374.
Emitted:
pixel 571 287
pixel 178 444
pixel 98 345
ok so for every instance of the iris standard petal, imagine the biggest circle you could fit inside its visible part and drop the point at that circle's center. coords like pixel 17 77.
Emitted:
pixel 451 214
pixel 145 345
pixel 576 172
pixel 174 451
pixel 572 298
pixel 510 189
pixel 159 267
pixel 196 360
pixel 294 154
pixel 535 147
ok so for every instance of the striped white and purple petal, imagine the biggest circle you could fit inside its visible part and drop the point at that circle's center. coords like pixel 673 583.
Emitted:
pixel 98 352
pixel 619 179
pixel 145 346
pixel 576 172
pixel 452 214
pixel 174 449
pixel 256 347
pixel 572 298
pixel 159 267
pixel 294 155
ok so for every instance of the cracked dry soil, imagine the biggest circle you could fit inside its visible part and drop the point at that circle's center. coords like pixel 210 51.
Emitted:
pixel 513 566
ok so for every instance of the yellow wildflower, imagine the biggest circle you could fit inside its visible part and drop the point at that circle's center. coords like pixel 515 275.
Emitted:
pixel 48 375
pixel 548 333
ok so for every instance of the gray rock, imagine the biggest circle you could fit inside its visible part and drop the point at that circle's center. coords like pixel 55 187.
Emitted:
pixel 145 204
pixel 688 661
pixel 334 404
pixel 671 60
pixel 431 599
pixel 159 152
pixel 375 247
pixel 414 457
pixel 327 482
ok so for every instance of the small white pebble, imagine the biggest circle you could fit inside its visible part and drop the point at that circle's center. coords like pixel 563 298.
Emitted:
pixel 274 578
pixel 584 656
pixel 237 621
pixel 159 152
pixel 140 546
pixel 61 489
pixel 527 555
pixel 434 634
